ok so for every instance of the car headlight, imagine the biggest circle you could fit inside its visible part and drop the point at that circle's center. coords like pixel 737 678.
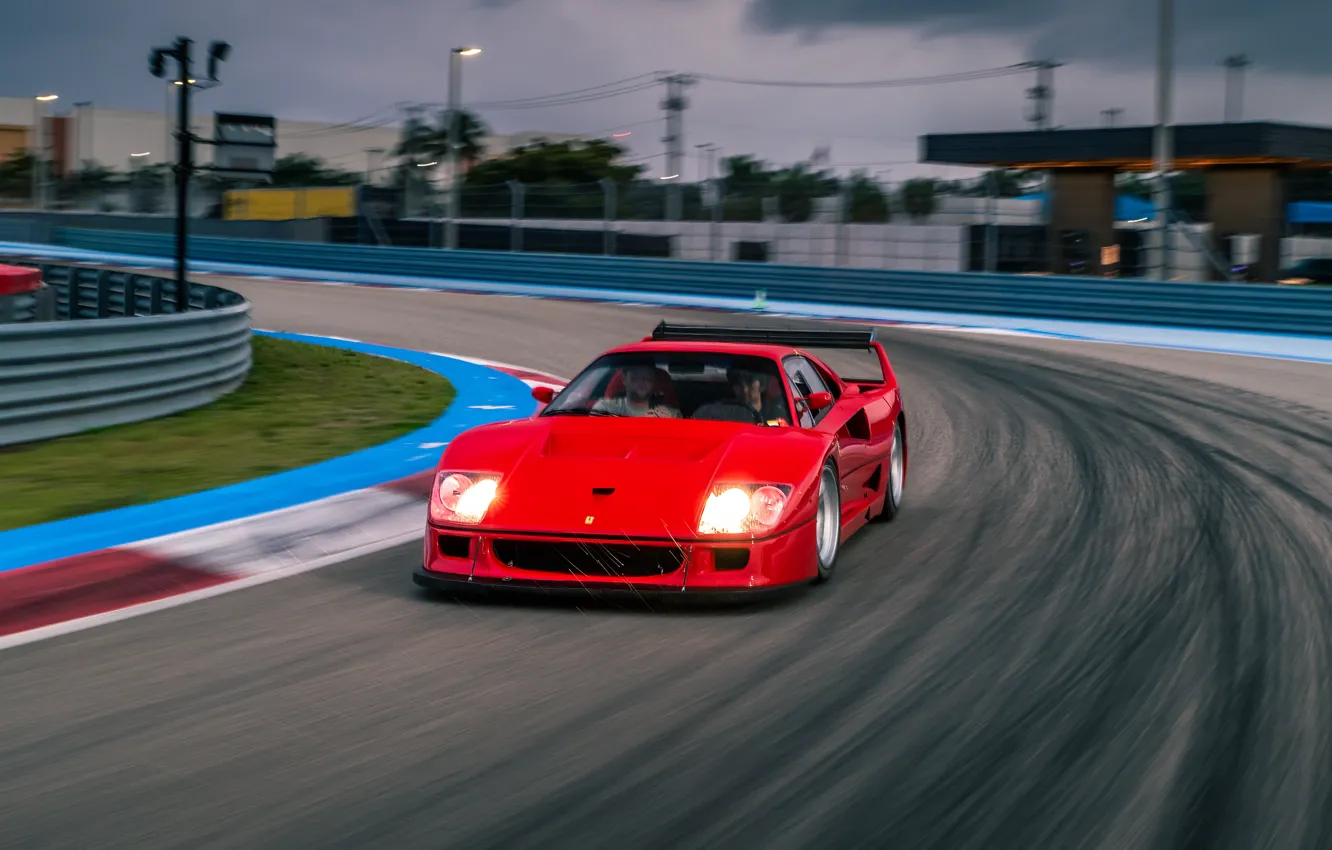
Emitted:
pixel 1296 280
pixel 462 496
pixel 743 508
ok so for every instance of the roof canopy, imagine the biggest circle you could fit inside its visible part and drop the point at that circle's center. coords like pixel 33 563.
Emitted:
pixel 1130 148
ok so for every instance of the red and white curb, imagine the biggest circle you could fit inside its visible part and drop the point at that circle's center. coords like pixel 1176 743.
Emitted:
pixel 80 592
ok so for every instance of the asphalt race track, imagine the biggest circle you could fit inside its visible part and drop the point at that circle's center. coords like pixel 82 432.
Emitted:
pixel 1104 619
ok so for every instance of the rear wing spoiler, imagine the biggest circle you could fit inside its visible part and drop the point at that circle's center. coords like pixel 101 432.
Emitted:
pixel 860 338
pixel 857 339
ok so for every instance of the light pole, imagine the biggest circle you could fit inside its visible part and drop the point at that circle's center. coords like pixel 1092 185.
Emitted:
pixel 1161 141
pixel 455 144
pixel 39 149
pixel 181 51
pixel 714 199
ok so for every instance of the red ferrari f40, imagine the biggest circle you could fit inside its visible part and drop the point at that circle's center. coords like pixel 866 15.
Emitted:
pixel 700 460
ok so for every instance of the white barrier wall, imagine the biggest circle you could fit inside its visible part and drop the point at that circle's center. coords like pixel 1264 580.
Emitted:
pixel 1296 248
pixel 906 247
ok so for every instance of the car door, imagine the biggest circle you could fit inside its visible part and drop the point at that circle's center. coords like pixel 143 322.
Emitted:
pixel 846 422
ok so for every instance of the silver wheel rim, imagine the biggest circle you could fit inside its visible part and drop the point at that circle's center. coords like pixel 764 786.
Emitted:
pixel 895 468
pixel 827 521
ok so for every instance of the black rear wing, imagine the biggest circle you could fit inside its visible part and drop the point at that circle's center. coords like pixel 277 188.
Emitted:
pixel 859 338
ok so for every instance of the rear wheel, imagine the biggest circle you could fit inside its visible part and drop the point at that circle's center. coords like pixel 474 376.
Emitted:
pixel 896 483
pixel 828 520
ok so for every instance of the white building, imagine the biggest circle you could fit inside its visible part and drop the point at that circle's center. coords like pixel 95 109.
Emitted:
pixel 123 139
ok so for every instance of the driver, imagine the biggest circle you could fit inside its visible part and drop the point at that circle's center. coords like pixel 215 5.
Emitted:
pixel 639 382
pixel 748 389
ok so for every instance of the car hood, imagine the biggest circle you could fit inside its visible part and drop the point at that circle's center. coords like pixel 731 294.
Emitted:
pixel 641 478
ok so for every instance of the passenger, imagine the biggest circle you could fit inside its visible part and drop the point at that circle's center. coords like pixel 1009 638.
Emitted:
pixel 640 382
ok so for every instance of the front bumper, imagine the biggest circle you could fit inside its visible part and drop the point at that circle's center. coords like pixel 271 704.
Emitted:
pixel 455 559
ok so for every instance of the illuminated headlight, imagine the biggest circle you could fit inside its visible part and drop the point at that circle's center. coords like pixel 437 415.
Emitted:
pixel 743 508
pixel 1296 280
pixel 462 496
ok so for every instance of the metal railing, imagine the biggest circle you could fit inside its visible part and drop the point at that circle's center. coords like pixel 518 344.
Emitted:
pixel 117 353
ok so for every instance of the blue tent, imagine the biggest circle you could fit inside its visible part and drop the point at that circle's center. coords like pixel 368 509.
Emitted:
pixel 1309 212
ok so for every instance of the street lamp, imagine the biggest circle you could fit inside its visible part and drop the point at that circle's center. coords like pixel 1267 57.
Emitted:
pixel 39 149
pixel 1161 140
pixel 181 51
pixel 455 145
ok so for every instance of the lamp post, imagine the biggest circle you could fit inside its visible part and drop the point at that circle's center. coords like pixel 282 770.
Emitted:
pixel 455 144
pixel 218 51
pixel 39 149
pixel 1161 141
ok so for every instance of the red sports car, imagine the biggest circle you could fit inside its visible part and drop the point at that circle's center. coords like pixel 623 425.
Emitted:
pixel 699 460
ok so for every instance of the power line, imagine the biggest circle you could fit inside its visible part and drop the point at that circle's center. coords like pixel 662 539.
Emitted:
pixel 577 95
pixel 964 76
pixel 568 101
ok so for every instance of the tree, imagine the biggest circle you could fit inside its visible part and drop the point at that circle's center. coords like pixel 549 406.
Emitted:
pixel 797 188
pixel 561 179
pixel 16 175
pixel 422 140
pixel 91 180
pixel 918 197
pixel 564 163
pixel 301 170
pixel 748 181
pixel 867 203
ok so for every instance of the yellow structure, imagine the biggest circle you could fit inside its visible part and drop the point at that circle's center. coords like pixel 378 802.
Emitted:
pixel 286 204
pixel 13 140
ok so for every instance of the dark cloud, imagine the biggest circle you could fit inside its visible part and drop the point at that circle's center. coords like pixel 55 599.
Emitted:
pixel 340 60
pixel 1281 35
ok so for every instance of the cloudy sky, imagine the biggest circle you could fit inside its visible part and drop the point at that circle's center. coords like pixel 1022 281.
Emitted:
pixel 343 60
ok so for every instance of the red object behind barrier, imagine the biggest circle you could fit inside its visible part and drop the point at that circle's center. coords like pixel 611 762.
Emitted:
pixel 15 280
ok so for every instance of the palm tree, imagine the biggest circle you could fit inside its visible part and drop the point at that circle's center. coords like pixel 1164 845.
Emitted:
pixel 472 132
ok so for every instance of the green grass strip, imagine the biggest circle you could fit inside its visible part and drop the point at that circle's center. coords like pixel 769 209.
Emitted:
pixel 302 404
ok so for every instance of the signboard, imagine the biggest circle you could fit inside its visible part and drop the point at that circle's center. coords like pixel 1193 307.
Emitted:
pixel 245 146
pixel 287 204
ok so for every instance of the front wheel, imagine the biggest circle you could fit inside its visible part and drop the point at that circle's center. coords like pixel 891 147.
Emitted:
pixel 828 520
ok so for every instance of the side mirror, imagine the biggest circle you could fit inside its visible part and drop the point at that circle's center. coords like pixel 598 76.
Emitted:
pixel 545 395
pixel 819 401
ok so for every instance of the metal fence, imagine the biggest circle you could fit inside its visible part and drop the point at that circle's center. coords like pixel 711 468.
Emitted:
pixel 117 353
pixel 1213 306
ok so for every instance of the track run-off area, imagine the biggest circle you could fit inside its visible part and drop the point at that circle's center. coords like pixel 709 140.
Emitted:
pixel 1103 619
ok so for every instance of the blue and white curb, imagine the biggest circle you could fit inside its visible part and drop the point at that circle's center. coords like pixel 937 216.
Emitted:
pixel 346 495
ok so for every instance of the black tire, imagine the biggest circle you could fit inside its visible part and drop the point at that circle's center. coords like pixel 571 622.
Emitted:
pixel 828 521
pixel 894 483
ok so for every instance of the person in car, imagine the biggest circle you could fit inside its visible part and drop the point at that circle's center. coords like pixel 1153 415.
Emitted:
pixel 748 389
pixel 640 382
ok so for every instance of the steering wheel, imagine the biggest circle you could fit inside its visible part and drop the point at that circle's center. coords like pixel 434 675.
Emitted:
pixel 754 415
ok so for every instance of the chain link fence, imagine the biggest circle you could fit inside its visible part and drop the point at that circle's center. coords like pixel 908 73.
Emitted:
pixel 858 223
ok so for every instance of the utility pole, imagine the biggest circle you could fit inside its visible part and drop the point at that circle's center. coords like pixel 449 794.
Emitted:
pixel 1109 115
pixel 674 104
pixel 1235 66
pixel 1041 95
pixel 372 156
pixel 181 52
pixel 1161 141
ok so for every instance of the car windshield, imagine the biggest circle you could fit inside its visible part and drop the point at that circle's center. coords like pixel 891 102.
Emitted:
pixel 682 385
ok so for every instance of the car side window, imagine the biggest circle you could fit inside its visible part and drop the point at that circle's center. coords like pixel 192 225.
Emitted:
pixel 805 381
